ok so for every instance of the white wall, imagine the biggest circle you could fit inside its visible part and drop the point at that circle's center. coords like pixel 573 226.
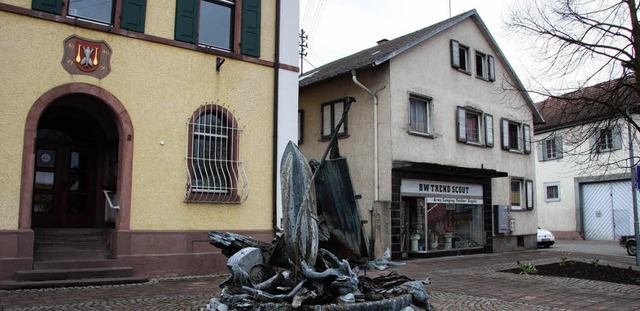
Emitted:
pixel 563 215
pixel 426 70
pixel 287 88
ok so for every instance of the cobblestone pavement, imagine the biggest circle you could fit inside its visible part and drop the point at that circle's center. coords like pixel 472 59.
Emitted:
pixel 458 283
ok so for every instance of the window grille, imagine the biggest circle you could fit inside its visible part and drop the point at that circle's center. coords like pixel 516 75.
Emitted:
pixel 215 164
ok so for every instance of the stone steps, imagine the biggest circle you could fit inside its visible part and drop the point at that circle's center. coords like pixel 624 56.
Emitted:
pixel 71 257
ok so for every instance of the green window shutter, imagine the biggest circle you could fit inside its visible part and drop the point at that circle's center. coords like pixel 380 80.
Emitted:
pixel 186 28
pixel 250 37
pixel 49 6
pixel 133 14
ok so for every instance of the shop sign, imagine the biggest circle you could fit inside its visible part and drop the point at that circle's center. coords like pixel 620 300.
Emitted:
pixel 454 200
pixel 439 188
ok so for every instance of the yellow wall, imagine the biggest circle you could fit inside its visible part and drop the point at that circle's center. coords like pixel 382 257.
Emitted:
pixel 160 86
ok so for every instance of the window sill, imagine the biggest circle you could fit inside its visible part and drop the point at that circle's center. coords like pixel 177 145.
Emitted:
pixel 421 134
pixel 463 71
pixel 552 200
pixel 607 150
pixel 517 209
pixel 551 159
pixel 476 144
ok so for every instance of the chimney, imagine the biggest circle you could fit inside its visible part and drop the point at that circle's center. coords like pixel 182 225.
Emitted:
pixel 381 41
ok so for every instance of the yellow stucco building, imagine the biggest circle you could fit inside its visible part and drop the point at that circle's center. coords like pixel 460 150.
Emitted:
pixel 146 123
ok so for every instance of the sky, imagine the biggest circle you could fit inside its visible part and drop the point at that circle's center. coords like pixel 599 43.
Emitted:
pixel 338 28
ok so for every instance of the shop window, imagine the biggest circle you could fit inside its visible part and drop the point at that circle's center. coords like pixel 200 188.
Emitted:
pixel 460 57
pixel 516 136
pixel 552 192
pixel 606 139
pixel 433 227
pixel 215 167
pixel 420 115
pixel 550 149
pixel 212 23
pixel 100 11
pixel 475 127
pixel 331 115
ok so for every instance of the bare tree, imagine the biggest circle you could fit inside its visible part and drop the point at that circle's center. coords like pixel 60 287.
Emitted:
pixel 582 43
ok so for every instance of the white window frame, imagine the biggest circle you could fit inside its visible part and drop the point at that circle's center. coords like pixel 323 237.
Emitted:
pixel 546 191
pixel 550 149
pixel 523 139
pixel 525 194
pixel 81 10
pixel 215 153
pixel 427 101
pixel 521 197
pixel 206 7
pixel 485 127
pixel 612 136
pixel 485 66
pixel 460 57
pixel 331 113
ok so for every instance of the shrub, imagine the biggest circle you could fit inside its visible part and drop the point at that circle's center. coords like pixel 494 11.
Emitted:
pixel 527 268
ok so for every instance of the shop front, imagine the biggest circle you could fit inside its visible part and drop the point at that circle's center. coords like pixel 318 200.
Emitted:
pixel 442 216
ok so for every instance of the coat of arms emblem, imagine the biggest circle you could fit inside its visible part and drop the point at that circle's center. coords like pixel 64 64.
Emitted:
pixel 82 56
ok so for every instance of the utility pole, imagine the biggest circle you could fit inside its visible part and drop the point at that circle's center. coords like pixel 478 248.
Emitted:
pixel 634 187
pixel 303 47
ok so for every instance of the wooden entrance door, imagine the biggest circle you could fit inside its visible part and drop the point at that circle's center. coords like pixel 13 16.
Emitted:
pixel 64 185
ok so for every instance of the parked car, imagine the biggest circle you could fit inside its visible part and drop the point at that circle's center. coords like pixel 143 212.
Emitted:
pixel 545 238
pixel 628 242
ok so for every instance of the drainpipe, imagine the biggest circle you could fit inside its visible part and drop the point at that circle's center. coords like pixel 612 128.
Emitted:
pixel 276 85
pixel 376 186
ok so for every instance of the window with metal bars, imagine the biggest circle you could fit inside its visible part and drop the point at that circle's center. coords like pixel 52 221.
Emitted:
pixel 214 157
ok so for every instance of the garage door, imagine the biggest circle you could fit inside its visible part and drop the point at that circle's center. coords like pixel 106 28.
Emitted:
pixel 607 210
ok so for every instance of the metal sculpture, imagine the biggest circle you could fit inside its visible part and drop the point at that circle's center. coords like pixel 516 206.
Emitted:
pixel 295 270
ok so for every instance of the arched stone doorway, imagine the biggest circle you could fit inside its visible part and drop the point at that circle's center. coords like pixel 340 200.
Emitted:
pixel 78 142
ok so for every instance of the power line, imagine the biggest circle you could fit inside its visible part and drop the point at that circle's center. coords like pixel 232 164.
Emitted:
pixel 317 17
pixel 307 61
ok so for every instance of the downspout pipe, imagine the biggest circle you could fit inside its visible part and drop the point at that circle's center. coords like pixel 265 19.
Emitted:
pixel 376 186
pixel 276 86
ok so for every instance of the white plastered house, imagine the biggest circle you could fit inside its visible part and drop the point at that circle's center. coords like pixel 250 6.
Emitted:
pixel 439 151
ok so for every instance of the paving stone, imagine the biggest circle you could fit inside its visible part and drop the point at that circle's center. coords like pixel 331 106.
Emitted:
pixel 459 283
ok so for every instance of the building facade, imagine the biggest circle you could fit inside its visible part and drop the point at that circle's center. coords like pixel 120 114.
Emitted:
pixel 151 122
pixel 440 153
pixel 582 169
